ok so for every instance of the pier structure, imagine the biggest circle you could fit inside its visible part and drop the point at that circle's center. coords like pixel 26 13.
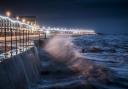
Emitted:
pixel 68 31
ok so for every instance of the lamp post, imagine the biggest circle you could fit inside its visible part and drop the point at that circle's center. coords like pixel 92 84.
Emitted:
pixel 23 20
pixel 28 34
pixel 8 27
pixel 0 27
pixel 38 31
pixel 35 32
pixel 5 34
pixel 28 37
pixel 31 33
pixel 8 14
pixel 19 34
pixel 15 28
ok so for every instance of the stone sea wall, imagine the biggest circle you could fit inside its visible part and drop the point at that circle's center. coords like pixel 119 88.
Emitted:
pixel 20 71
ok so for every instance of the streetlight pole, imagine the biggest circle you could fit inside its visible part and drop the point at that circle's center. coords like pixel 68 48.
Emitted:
pixel 26 35
pixel 0 27
pixel 18 33
pixel 11 35
pixel 8 14
pixel 28 38
pixel 5 34
pixel 23 20
pixel 23 39
pixel 39 35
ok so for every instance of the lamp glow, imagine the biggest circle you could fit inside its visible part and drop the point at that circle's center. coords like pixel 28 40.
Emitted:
pixel 8 13
pixel 17 18
pixel 23 20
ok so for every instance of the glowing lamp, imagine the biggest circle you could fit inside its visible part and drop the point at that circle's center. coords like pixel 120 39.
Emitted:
pixel 8 13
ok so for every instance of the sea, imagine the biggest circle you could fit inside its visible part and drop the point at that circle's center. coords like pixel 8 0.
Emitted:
pixel 84 62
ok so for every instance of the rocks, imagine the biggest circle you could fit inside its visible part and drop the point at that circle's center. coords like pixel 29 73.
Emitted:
pixel 95 50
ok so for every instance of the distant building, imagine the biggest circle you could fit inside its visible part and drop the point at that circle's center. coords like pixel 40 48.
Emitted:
pixel 31 19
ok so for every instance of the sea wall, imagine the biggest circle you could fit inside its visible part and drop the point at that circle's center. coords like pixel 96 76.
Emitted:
pixel 20 71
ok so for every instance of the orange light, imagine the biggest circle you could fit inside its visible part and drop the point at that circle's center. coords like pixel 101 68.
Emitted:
pixel 23 20
pixel 17 18
pixel 8 13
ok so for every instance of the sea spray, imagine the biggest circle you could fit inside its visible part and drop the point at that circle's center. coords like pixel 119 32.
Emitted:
pixel 63 50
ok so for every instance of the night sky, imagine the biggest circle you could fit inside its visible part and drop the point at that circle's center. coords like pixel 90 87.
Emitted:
pixel 107 16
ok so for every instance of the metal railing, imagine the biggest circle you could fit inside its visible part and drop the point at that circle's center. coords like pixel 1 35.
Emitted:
pixel 16 36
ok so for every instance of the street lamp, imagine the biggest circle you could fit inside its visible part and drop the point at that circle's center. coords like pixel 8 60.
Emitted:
pixel 18 31
pixel 8 13
pixel 5 34
pixel 23 20
pixel 17 18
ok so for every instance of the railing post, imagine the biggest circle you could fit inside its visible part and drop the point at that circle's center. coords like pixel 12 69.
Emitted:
pixel 15 28
pixel 23 40
pixel 5 34
pixel 26 36
pixel 45 35
pixel 28 39
pixel 20 38
pixel 11 36
pixel 39 35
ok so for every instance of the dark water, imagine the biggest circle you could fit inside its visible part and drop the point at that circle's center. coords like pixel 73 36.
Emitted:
pixel 104 65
